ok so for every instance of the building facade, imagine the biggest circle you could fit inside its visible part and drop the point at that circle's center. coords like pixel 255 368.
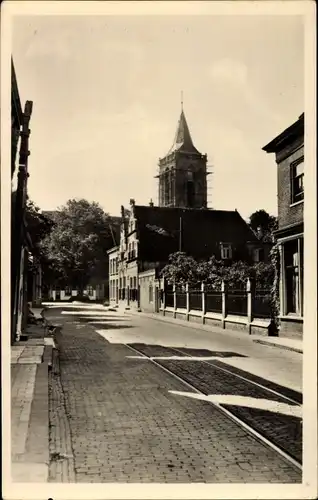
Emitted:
pixel 183 172
pixel 288 148
pixel 25 267
pixel 149 234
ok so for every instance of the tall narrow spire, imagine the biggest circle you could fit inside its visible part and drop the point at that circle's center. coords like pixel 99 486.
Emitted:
pixel 183 141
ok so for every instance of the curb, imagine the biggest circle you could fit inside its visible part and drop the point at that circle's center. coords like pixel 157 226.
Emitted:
pixel 221 331
pixel 279 346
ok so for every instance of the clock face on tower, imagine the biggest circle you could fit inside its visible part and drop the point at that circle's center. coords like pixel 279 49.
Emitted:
pixel 190 175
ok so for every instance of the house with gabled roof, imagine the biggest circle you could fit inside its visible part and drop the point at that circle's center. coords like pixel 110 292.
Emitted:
pixel 152 233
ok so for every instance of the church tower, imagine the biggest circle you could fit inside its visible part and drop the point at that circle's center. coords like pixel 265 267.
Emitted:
pixel 182 172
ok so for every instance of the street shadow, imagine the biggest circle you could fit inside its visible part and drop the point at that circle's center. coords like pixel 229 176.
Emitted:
pixel 108 326
pixel 206 352
pixel 86 318
pixel 153 350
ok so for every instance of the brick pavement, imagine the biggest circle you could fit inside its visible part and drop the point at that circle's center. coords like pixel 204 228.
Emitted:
pixel 30 362
pixel 125 426
pixel 279 366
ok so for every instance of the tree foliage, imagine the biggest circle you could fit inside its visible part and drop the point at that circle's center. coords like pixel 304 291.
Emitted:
pixel 78 243
pixel 38 225
pixel 263 224
pixel 183 269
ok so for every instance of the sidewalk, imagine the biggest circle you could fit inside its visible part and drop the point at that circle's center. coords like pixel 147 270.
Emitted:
pixel 30 364
pixel 290 344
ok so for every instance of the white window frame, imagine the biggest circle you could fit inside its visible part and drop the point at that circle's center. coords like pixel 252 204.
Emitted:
pixel 226 251
pixel 293 166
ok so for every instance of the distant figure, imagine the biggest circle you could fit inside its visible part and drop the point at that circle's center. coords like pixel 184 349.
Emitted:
pixel 272 329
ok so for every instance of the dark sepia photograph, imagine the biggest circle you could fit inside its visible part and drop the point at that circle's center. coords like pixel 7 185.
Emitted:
pixel 157 252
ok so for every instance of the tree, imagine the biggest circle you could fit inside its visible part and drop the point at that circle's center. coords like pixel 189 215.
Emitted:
pixel 38 225
pixel 263 224
pixel 181 269
pixel 78 243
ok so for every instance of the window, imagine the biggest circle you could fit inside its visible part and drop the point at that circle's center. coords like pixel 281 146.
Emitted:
pixel 297 180
pixel 259 255
pixel 90 291
pixel 150 293
pixel 226 251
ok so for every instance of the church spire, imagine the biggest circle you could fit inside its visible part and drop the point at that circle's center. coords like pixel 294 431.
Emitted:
pixel 183 141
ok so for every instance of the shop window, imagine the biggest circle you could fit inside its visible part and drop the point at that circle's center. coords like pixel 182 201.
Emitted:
pixel 297 180
pixel 292 282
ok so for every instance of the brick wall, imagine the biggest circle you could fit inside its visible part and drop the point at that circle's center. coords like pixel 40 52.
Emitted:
pixel 288 214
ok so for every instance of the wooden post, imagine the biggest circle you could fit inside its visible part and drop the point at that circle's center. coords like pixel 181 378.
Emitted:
pixel 164 296
pixel 203 302
pixel 138 295
pixel 249 291
pixel 174 300
pixel 187 301
pixel 224 312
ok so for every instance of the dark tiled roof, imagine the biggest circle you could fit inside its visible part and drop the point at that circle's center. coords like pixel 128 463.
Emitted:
pixel 288 135
pixel 202 231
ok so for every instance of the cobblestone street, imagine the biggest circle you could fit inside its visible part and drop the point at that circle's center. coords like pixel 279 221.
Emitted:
pixel 116 416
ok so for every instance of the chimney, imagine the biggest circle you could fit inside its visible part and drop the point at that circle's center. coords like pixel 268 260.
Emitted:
pixel 132 202
pixel 151 202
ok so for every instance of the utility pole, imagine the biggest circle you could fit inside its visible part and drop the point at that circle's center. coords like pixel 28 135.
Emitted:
pixel 180 234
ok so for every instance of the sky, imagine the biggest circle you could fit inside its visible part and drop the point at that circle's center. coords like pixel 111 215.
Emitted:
pixel 107 91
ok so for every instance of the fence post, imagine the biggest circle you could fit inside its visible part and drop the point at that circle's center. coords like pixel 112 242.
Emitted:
pixel 187 301
pixel 174 300
pixel 164 297
pixel 223 290
pixel 249 289
pixel 203 302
